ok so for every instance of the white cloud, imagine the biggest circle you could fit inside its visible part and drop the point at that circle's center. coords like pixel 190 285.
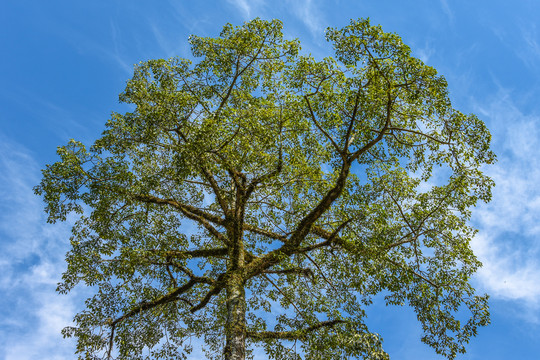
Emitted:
pixel 508 274
pixel 510 225
pixel 46 314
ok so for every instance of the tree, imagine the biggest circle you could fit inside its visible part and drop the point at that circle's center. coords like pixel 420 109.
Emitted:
pixel 260 197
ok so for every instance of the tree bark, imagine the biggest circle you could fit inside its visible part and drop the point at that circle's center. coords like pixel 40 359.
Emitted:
pixel 235 328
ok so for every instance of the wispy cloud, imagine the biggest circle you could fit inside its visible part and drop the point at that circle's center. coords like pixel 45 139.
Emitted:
pixel 424 53
pixel 111 50
pixel 510 224
pixel 529 53
pixel 115 53
pixel 243 6
pixel 63 121
pixel 163 41
pixel 447 10
pixel 183 17
pixel 309 14
pixel 248 8
pixel 524 42
pixel 31 261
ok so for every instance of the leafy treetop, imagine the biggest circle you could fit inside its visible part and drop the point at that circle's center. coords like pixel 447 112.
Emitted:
pixel 261 198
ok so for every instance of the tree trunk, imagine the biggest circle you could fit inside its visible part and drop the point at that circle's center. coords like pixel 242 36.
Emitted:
pixel 235 328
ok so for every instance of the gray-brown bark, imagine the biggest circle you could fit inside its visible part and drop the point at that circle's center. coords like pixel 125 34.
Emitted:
pixel 235 331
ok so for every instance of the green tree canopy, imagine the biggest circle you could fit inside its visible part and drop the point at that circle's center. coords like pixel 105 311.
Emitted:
pixel 260 198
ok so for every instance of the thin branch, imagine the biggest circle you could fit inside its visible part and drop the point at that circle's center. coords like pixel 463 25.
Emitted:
pixel 233 173
pixel 270 205
pixel 266 233
pixel 314 119
pixel 405 239
pixel 294 334
pixel 197 183
pixel 237 75
pixel 215 188
pixel 253 184
pixel 348 138
pixel 374 60
pixel 231 138
pixel 402 213
pixel 412 272
pixel 379 137
pixel 419 133
pixel 300 271
pixel 173 279
pixel 322 273
pixel 188 272
pixel 182 254
pixel 301 313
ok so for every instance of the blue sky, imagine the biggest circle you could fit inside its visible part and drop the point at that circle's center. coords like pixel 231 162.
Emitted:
pixel 64 63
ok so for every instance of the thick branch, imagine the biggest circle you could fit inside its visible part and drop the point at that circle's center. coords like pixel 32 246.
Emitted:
pixel 309 248
pixel 188 272
pixel 215 290
pixel 303 228
pixel 190 212
pixel 330 237
pixel 143 306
